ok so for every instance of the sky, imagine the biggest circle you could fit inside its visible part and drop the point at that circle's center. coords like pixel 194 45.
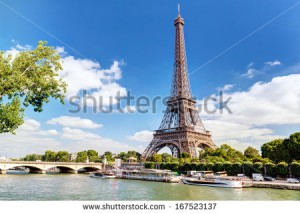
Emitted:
pixel 249 50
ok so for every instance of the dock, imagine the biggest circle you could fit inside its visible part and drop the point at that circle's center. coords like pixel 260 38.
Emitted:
pixel 276 185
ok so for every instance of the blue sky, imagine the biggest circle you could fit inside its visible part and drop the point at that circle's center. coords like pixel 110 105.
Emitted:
pixel 139 37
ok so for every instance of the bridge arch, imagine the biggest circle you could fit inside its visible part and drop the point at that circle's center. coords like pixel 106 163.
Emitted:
pixel 172 145
pixel 32 169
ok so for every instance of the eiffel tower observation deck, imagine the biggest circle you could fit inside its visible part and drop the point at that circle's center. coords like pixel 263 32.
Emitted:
pixel 181 128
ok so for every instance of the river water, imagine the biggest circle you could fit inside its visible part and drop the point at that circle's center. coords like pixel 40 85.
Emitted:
pixel 82 187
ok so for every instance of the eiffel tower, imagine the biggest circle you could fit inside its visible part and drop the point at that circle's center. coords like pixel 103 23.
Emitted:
pixel 181 128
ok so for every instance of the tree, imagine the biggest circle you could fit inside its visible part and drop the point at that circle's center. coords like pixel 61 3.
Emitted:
pixel 166 156
pixel 131 154
pixel 81 156
pixel 282 169
pixel 62 156
pixel 32 157
pixel 157 158
pixel 185 155
pixel 109 156
pixel 49 156
pixel 251 152
pixel 122 156
pixel 30 79
pixel 93 155
pixel 287 150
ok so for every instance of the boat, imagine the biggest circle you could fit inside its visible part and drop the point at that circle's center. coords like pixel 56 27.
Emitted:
pixel 215 181
pixel 107 175
pixel 150 175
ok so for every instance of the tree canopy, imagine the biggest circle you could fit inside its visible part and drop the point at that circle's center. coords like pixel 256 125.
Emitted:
pixel 286 150
pixel 29 79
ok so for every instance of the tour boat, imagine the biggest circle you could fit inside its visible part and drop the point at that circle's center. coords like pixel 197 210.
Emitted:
pixel 150 175
pixel 102 175
pixel 215 181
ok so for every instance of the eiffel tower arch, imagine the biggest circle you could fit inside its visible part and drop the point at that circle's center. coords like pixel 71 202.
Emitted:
pixel 181 128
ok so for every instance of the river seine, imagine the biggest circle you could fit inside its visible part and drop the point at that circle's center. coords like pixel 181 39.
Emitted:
pixel 82 187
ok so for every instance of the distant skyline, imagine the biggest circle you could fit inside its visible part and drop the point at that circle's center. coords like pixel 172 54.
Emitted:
pixel 250 50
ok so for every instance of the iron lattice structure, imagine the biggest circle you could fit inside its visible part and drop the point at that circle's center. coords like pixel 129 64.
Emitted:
pixel 181 128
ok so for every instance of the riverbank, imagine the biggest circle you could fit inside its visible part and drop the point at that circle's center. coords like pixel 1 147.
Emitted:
pixel 276 185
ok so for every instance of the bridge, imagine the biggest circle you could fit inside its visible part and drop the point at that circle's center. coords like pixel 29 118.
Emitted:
pixel 43 167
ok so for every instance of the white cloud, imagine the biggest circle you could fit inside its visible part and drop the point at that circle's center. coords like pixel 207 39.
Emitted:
pixel 143 136
pixel 81 140
pixel 85 74
pixel 253 111
pixel 226 87
pixel 273 63
pixel 29 138
pixel 250 73
pixel 74 122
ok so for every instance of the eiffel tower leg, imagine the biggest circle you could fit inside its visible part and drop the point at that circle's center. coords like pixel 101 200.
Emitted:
pixel 190 148
pixel 174 151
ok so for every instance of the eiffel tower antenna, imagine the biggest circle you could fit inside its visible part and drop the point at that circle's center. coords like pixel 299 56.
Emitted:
pixel 181 128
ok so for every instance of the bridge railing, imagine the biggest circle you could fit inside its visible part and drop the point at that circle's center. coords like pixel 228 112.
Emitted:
pixel 49 163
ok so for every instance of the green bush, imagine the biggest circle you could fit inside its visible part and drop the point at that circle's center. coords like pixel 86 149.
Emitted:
pixel 258 167
pixel 271 169
pixel 295 168
pixel 162 166
pixel 237 168
pixel 174 166
pixel 201 167
pixel 209 166
pixel 248 168
pixel 150 165
pixel 228 167
pixel 282 169
pixel 218 167
pixel 194 166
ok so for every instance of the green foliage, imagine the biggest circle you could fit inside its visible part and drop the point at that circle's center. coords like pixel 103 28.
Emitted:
pixel 201 166
pixel 251 152
pixel 237 168
pixel 295 168
pixel 149 165
pixel 157 158
pixel 174 166
pixel 219 166
pixel 185 155
pixel 62 156
pixel 109 156
pixel 209 166
pixel 166 157
pixel 32 157
pixel 93 156
pixel 271 150
pixel 222 154
pixel 258 167
pixel 49 156
pixel 248 168
pixel 282 169
pixel 132 154
pixel 124 155
pixel 32 76
pixel 286 150
pixel 271 169
pixel 228 167
pixel 81 157
pixel 11 115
